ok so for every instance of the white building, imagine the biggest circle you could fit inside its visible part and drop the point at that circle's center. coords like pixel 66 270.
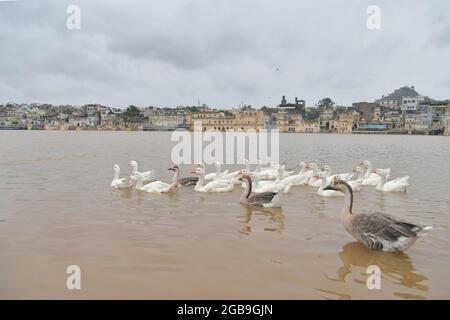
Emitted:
pixel 411 104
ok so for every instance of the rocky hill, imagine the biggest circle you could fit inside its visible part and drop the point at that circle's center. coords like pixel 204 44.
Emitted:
pixel 401 93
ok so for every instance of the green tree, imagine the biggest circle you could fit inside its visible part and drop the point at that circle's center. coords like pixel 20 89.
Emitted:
pixel 311 114
pixel 132 112
pixel 326 103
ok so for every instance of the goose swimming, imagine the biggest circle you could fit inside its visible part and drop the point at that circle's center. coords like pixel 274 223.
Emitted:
pixel 370 177
pixel 215 175
pixel 213 186
pixel 299 179
pixel 396 185
pixel 187 181
pixel 120 183
pixel 269 185
pixel 355 184
pixel 135 174
pixel 377 231
pixel 265 199
pixel 343 176
pixel 323 176
pixel 270 173
pixel 159 186
pixel 314 181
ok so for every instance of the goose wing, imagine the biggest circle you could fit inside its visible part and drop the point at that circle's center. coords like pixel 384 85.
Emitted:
pixel 377 229
pixel 400 180
pixel 188 181
pixel 261 198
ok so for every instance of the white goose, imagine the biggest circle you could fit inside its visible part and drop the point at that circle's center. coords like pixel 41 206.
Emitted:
pixel 324 179
pixel 120 183
pixel 299 179
pixel 396 185
pixel 355 179
pixel 356 185
pixel 269 186
pixel 258 166
pixel 215 175
pixel 270 173
pixel 343 176
pixel 159 186
pixel 314 181
pixel 135 174
pixel 213 186
pixel 228 176
pixel 370 177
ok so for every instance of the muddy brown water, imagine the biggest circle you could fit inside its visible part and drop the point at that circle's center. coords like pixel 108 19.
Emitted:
pixel 57 209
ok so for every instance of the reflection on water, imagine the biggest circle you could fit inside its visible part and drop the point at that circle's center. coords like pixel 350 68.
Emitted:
pixel 395 267
pixel 273 216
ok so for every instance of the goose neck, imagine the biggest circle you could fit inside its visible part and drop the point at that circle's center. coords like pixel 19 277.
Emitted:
pixel 116 174
pixel 248 188
pixel 348 199
pixel 201 178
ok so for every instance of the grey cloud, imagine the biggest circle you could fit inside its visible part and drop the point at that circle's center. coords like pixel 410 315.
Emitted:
pixel 221 52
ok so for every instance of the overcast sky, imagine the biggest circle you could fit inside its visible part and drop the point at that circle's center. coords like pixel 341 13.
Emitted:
pixel 223 52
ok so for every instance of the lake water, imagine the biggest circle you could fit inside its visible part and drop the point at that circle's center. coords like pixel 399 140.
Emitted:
pixel 57 209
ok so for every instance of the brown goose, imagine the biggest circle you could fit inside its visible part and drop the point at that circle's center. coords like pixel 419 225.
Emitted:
pixel 264 199
pixel 377 231
pixel 188 181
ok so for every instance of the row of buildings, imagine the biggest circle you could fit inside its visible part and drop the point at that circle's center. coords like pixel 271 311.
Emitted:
pixel 88 117
pixel 403 111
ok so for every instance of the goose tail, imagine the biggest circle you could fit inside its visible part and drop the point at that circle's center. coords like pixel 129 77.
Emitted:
pixel 424 231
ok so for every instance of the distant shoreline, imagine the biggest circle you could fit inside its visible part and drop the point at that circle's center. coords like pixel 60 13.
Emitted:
pixel 412 133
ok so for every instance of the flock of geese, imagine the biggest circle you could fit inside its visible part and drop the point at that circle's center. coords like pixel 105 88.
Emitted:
pixel 264 188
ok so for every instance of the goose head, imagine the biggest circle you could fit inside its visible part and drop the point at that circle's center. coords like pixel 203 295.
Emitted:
pixel 337 185
pixel 313 166
pixel 245 177
pixel 116 168
pixel 366 163
pixel 201 164
pixel 302 165
pixel 358 169
pixel 133 163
